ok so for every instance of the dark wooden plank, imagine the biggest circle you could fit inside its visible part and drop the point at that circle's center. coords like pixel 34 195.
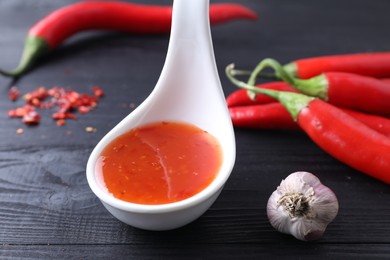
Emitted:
pixel 212 251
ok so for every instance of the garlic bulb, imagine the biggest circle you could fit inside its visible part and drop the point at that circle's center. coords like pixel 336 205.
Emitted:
pixel 302 206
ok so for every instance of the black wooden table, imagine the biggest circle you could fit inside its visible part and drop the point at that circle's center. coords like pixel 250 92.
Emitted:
pixel 47 210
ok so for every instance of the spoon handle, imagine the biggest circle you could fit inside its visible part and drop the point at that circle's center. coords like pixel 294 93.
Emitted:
pixel 190 58
pixel 190 31
pixel 190 20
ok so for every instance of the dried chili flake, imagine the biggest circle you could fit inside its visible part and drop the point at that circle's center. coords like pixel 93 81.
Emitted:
pixel 13 93
pixel 36 102
pixel 46 105
pixel 97 91
pixel 21 111
pixel 84 109
pixel 60 122
pixel 36 96
pixel 31 118
pixel 72 98
pixel 86 100
pixel 65 100
pixel 54 91
pixel 63 115
pixel 19 131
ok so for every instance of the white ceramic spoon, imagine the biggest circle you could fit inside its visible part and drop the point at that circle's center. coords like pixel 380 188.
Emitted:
pixel 188 90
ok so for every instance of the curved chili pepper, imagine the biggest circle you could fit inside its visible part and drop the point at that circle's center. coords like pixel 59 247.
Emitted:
pixel 275 116
pixel 55 28
pixel 368 64
pixel 356 92
pixel 264 116
pixel 347 139
pixel 337 133
pixel 240 97
pixel 377 123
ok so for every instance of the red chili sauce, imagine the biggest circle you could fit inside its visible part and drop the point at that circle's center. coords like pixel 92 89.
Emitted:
pixel 160 163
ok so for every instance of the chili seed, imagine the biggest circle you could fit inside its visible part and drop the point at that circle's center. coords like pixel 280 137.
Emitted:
pixel 90 129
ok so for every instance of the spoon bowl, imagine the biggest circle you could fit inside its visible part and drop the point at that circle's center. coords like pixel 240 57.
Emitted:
pixel 188 91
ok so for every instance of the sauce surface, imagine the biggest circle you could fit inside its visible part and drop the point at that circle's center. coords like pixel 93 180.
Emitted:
pixel 160 163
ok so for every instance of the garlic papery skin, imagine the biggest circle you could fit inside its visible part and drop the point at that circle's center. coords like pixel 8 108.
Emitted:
pixel 302 206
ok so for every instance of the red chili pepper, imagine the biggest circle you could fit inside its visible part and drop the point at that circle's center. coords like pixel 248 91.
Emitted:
pixel 353 91
pixel 240 97
pixel 337 133
pixel 275 116
pixel 347 139
pixel 55 28
pixel 377 123
pixel 348 90
pixel 264 116
pixel 368 64
pixel 387 80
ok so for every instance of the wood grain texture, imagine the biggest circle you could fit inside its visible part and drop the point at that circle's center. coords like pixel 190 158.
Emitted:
pixel 211 251
pixel 47 210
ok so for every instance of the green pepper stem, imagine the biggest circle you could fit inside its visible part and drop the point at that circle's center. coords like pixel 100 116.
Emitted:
pixel 279 71
pixel 248 73
pixel 34 48
pixel 315 87
pixel 290 69
pixel 293 102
